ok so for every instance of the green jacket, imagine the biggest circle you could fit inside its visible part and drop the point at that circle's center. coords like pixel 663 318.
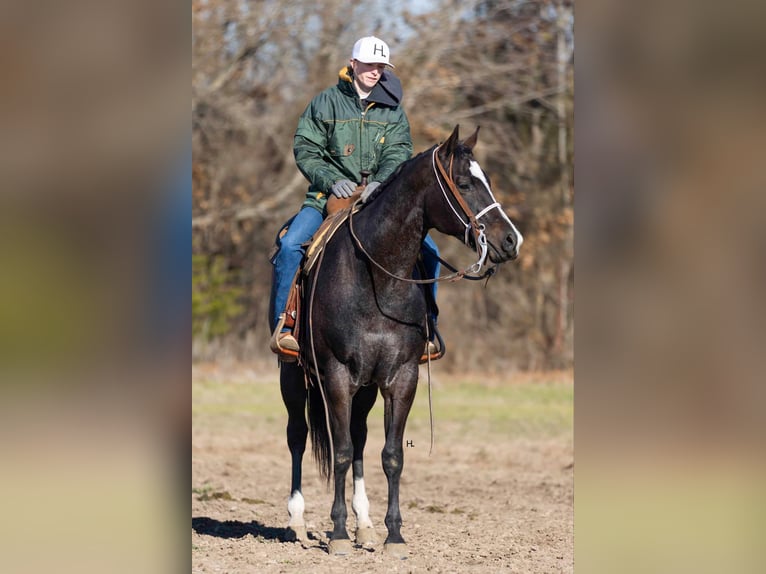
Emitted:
pixel 338 136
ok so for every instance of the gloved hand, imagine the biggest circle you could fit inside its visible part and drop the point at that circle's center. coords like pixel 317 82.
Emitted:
pixel 343 188
pixel 368 190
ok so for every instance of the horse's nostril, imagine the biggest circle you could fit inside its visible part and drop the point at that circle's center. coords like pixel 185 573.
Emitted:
pixel 510 239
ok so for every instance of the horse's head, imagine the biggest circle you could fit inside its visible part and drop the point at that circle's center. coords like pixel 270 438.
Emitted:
pixel 473 214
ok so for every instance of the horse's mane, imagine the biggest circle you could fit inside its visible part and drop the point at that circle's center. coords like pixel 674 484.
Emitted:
pixel 396 173
pixel 461 149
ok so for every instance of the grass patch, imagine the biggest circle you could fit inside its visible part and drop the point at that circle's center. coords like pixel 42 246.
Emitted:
pixel 536 408
pixel 216 398
pixel 215 496
pixel 202 490
pixel 525 409
pixel 206 493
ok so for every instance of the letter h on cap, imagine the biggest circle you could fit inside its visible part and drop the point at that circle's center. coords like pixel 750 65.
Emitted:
pixel 376 48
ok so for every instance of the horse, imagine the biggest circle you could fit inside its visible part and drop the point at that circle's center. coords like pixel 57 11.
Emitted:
pixel 364 326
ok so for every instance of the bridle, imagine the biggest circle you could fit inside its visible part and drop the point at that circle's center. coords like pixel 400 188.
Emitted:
pixel 472 225
pixel 473 220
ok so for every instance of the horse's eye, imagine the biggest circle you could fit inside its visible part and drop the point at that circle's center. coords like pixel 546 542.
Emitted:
pixel 464 184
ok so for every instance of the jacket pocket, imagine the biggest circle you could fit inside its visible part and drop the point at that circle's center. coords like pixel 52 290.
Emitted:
pixel 344 150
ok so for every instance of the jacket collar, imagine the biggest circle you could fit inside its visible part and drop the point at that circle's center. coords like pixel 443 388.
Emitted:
pixel 388 91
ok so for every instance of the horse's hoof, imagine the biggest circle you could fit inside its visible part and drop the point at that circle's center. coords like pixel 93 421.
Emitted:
pixel 365 536
pixel 339 547
pixel 396 550
pixel 296 534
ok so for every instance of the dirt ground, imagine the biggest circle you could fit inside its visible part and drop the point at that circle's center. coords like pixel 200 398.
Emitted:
pixel 495 495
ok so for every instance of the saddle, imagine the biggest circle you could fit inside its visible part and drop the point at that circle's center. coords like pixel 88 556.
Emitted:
pixel 337 212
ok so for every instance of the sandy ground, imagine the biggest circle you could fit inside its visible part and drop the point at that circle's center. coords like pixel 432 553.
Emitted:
pixel 483 501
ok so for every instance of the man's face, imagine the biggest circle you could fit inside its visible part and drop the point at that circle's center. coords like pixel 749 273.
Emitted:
pixel 367 75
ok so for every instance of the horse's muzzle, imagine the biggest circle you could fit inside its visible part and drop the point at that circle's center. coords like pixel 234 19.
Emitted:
pixel 507 249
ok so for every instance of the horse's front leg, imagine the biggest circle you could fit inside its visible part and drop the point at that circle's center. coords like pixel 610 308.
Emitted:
pixel 339 403
pixel 398 401
pixel 363 402
pixel 294 396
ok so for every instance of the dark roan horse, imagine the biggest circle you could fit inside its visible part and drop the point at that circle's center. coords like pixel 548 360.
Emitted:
pixel 364 327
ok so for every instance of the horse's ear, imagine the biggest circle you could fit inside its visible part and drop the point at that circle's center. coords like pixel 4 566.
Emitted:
pixel 470 143
pixel 449 147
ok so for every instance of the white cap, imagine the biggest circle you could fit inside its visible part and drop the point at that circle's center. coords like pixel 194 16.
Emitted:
pixel 371 50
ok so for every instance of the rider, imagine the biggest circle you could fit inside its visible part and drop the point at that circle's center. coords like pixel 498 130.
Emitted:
pixel 358 124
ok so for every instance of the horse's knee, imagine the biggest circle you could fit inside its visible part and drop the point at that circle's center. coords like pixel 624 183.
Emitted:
pixel 343 458
pixel 393 461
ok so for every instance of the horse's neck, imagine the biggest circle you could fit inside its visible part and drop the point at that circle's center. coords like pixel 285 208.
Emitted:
pixel 391 228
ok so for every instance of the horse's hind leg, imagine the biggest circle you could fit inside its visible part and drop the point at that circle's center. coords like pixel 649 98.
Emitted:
pixel 398 401
pixel 362 403
pixel 294 396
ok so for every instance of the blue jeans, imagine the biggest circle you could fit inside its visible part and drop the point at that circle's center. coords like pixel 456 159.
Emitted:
pixel 430 253
pixel 289 256
pixel 290 253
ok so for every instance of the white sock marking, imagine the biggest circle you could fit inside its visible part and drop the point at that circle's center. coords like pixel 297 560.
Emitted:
pixel 295 507
pixel 361 505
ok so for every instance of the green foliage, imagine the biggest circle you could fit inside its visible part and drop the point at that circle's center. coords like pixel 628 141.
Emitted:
pixel 214 297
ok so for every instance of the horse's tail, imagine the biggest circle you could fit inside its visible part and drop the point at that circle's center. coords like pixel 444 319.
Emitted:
pixel 318 411
pixel 321 443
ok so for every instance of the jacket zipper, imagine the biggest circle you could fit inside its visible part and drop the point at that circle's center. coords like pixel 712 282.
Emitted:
pixel 361 136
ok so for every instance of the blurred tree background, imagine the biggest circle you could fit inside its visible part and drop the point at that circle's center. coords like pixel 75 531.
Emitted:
pixel 504 65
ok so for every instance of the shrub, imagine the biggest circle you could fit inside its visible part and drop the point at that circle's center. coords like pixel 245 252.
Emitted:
pixel 215 297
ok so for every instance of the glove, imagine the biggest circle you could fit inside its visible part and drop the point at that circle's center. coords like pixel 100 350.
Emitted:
pixel 343 188
pixel 372 186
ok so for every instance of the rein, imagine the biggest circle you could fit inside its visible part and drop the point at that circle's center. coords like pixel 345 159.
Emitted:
pixel 472 225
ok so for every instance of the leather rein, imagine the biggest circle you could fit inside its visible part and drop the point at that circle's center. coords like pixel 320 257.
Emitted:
pixel 472 225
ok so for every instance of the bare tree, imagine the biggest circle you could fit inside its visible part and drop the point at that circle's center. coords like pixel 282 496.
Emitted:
pixel 502 64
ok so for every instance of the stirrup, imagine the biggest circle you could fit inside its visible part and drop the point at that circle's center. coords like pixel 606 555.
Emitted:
pixel 284 344
pixel 433 351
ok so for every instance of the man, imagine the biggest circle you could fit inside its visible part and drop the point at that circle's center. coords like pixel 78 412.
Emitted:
pixel 357 125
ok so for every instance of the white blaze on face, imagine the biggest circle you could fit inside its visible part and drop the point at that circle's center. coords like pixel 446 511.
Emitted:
pixel 478 173
pixel 295 507
pixel 361 505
